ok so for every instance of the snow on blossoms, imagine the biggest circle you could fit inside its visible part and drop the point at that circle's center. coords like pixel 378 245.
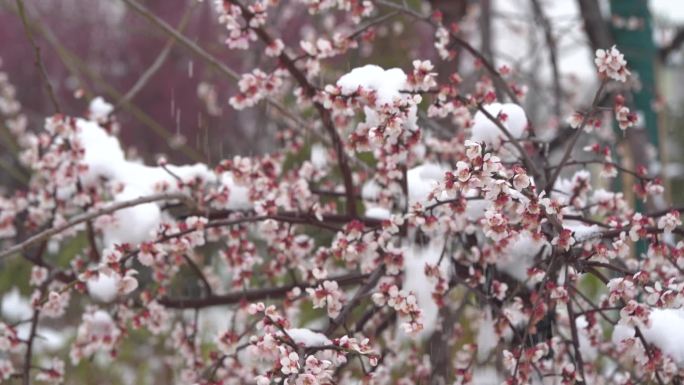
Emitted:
pixel 390 112
pixel 511 116
pixel 408 227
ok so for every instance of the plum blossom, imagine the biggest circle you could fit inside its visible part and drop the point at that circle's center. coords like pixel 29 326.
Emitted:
pixel 290 363
pixel 256 86
pixel 55 305
pixel 669 222
pixel 392 201
pixel 38 275
pixel 625 118
pixel 422 78
pixel 611 63
pixel 6 369
pixel 328 295
pixel 54 374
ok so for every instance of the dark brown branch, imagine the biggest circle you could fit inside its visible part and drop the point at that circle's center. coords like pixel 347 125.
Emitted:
pixel 26 376
pixel 597 28
pixel 198 272
pixel 553 55
pixel 575 335
pixel 601 162
pixel 674 45
pixel 258 294
pixel 303 218
pixel 349 306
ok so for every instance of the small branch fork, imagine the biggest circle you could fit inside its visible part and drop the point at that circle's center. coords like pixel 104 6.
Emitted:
pixel 573 141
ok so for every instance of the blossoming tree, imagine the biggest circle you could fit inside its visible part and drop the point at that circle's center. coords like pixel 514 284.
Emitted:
pixel 412 228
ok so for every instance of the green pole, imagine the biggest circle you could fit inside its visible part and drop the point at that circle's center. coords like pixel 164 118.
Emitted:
pixel 636 42
pixel 632 30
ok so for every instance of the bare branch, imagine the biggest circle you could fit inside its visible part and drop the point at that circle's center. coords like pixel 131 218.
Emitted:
pixel 156 65
pixel 553 54
pixel 47 234
pixel 573 140
pixel 258 294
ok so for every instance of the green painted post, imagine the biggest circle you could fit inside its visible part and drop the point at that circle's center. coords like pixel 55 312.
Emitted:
pixel 632 30
pixel 641 53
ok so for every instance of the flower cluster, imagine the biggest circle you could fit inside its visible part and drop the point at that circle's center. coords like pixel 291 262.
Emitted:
pixel 421 229
pixel 611 63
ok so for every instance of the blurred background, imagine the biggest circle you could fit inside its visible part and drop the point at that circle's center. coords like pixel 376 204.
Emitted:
pixel 95 48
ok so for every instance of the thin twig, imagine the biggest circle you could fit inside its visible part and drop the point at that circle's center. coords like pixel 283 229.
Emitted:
pixel 641 337
pixel 553 54
pixel 251 294
pixel 198 272
pixel 78 219
pixel 575 137
pixel 39 60
pixel 349 306
pixel 156 65
pixel 26 377
pixel 324 113
pixel 204 55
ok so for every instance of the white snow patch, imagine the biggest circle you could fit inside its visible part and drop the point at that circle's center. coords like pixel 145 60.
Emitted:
pixel 486 376
pixel 519 255
pixel 378 213
pixel 47 339
pixel 666 332
pixel 15 307
pixel 422 180
pixel 588 351
pixel 415 258
pixel 239 195
pixel 106 160
pixel 99 109
pixel 103 288
pixel 476 208
pixel 511 116
pixel 319 156
pixel 487 338
pixel 308 338
pixel 386 83
pixel 581 231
